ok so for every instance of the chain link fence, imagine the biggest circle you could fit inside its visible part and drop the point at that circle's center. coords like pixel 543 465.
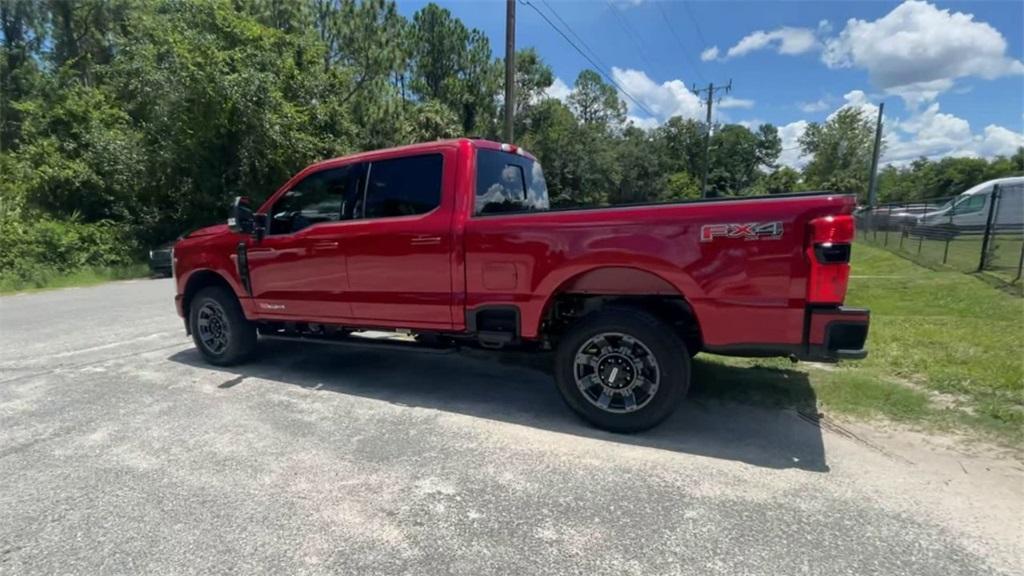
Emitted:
pixel 982 231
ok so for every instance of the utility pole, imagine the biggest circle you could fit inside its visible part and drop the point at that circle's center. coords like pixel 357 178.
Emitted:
pixel 710 90
pixel 873 181
pixel 510 67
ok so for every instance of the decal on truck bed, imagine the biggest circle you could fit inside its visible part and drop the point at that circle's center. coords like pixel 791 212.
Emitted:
pixel 748 231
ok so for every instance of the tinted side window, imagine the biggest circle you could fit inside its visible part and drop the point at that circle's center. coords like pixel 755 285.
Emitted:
pixel 404 186
pixel 508 183
pixel 315 199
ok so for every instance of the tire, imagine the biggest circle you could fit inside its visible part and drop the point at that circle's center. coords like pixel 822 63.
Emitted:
pixel 219 328
pixel 627 360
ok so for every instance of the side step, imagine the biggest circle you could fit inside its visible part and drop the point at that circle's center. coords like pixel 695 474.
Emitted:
pixel 494 339
pixel 364 342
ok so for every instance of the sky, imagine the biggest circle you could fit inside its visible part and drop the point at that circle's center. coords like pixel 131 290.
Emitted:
pixel 951 74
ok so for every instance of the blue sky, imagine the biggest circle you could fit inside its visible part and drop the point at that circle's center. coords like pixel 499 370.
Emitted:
pixel 950 73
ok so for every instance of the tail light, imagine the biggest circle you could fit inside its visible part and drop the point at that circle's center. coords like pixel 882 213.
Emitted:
pixel 828 249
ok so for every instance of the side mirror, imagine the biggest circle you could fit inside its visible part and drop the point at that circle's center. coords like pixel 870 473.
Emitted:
pixel 241 219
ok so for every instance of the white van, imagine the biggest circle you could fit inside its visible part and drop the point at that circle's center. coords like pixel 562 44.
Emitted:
pixel 970 209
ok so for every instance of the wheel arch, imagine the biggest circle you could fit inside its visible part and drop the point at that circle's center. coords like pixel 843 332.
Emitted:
pixel 197 281
pixel 600 287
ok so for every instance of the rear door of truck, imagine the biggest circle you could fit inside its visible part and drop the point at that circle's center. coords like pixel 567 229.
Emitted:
pixel 398 251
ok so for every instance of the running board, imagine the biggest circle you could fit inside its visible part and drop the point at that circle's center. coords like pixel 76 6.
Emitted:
pixel 493 339
pixel 363 342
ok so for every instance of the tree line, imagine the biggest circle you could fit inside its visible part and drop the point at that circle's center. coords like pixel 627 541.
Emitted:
pixel 124 123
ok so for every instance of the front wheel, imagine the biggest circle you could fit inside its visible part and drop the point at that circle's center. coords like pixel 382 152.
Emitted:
pixel 622 370
pixel 219 328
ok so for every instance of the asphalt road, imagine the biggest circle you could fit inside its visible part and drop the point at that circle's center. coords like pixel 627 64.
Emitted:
pixel 122 453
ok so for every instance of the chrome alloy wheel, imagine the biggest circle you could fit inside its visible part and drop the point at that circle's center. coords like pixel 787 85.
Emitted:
pixel 616 372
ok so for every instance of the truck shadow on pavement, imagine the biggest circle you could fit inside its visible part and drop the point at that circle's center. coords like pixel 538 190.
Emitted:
pixel 719 419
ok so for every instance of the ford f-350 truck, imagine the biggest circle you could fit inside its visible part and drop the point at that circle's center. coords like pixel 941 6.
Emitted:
pixel 454 243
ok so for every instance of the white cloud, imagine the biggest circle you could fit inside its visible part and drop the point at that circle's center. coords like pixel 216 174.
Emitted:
pixel 671 98
pixel 930 133
pixel 558 90
pixel 858 99
pixel 790 135
pixel 999 141
pixel 785 40
pixel 934 134
pixel 645 123
pixel 709 54
pixel 917 50
pixel 819 105
pixel 730 102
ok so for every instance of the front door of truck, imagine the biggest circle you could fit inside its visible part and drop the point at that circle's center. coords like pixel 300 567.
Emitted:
pixel 298 268
pixel 399 251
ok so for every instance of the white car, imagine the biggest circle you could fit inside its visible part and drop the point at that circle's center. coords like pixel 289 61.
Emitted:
pixel 970 209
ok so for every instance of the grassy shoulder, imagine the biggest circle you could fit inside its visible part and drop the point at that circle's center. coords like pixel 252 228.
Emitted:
pixel 48 280
pixel 946 350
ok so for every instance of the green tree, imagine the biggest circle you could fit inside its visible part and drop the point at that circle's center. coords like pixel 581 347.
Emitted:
pixel 738 155
pixel 453 65
pixel 533 77
pixel 552 139
pixel 840 151
pixel 22 26
pixel 595 102
pixel 679 143
pixel 680 186
pixel 781 181
pixel 639 176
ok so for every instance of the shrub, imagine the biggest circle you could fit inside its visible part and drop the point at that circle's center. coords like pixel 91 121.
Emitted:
pixel 33 248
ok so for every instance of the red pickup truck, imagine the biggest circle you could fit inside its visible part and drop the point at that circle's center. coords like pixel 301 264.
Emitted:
pixel 453 242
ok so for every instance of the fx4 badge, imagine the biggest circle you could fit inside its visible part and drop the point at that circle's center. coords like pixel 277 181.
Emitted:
pixel 749 231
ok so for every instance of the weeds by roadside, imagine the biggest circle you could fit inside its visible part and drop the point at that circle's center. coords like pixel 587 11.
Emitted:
pixel 46 280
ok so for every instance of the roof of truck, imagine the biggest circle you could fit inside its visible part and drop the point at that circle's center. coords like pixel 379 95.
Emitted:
pixel 424 147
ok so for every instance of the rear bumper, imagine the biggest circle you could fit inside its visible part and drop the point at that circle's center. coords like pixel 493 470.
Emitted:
pixel 836 333
pixel 831 334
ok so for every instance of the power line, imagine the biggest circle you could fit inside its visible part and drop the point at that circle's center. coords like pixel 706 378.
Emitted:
pixel 579 39
pixel 682 48
pixel 600 69
pixel 696 25
pixel 624 24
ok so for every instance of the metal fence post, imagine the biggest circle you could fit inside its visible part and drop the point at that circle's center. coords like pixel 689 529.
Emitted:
pixel 920 236
pixel 886 242
pixel 1020 265
pixel 988 227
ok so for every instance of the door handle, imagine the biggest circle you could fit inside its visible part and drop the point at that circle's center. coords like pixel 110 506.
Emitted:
pixel 425 241
pixel 325 245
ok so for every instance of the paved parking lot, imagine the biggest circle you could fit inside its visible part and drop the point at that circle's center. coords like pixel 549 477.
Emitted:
pixel 122 453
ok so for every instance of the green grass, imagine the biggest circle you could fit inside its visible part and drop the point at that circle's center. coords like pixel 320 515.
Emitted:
pixel 963 253
pixel 84 277
pixel 946 349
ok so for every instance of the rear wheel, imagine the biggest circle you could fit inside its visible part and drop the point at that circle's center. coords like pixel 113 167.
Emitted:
pixel 219 328
pixel 622 369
